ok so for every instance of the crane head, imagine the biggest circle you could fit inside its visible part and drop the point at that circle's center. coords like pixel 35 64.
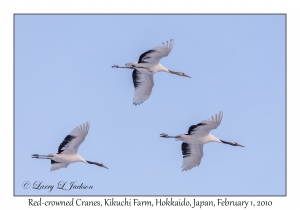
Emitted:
pixel 96 163
pixel 232 143
pixel 236 144
pixel 101 165
pixel 183 74
pixel 179 73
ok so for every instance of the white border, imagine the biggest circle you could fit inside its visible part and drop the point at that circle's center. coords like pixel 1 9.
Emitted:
pixel 8 8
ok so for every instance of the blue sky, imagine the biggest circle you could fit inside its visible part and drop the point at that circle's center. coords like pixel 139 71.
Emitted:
pixel 63 78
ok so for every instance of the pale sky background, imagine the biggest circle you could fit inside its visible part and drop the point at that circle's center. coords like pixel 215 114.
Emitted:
pixel 63 78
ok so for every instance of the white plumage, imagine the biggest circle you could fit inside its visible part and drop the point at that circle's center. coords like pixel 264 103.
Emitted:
pixel 193 158
pixel 143 84
pixel 144 69
pixel 71 146
pixel 67 150
pixel 194 140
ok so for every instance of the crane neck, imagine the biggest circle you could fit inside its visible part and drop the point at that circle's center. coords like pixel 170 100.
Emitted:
pixel 162 68
pixel 212 138
pixel 90 162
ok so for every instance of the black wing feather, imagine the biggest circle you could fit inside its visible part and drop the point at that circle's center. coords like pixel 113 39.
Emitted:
pixel 186 150
pixel 65 142
pixel 52 161
pixel 144 56
pixel 136 77
pixel 191 129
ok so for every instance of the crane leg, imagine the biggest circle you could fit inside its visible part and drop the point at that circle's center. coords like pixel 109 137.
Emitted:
pixel 116 66
pixel 166 136
pixel 125 67
pixel 40 156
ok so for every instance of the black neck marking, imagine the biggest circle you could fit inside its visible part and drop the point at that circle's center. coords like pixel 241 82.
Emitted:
pixel 226 142
pixel 90 162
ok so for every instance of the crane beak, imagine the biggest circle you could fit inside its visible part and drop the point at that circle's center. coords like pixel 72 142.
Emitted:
pixel 187 76
pixel 103 166
pixel 239 145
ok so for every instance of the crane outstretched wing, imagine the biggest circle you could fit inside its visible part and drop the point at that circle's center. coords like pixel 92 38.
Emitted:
pixel 192 154
pixel 72 141
pixel 143 84
pixel 205 126
pixel 153 56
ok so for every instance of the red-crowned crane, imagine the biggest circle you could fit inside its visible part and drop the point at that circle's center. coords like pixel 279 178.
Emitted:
pixel 144 69
pixel 197 136
pixel 67 150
